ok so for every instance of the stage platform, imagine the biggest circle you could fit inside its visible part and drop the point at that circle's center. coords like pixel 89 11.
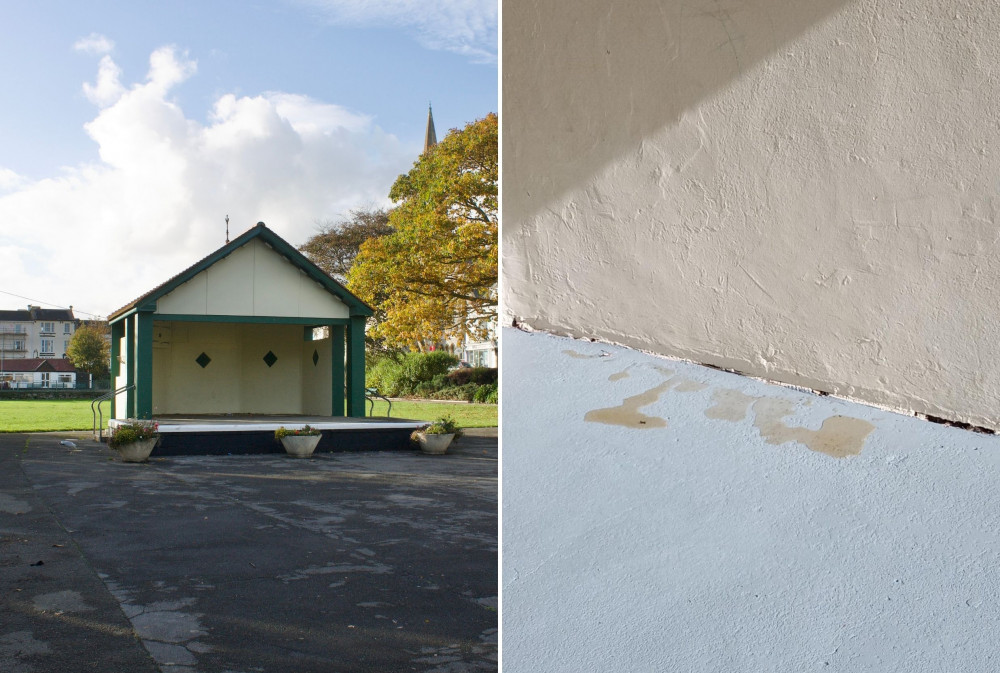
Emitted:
pixel 213 434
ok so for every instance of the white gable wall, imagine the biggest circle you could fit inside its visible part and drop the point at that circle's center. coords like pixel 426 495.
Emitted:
pixel 253 281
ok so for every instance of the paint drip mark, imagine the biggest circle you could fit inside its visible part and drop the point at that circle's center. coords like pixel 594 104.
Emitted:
pixel 729 405
pixel 628 415
pixel 619 376
pixel 839 436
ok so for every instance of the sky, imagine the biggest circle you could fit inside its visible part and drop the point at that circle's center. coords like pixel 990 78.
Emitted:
pixel 130 130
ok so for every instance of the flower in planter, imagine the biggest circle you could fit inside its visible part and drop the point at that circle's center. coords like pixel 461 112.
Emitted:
pixel 133 431
pixel 442 426
pixel 304 431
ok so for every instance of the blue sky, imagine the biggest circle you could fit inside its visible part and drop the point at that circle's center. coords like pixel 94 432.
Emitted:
pixel 129 130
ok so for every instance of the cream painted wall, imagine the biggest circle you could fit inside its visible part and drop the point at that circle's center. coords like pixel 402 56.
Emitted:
pixel 317 378
pixel 805 192
pixel 253 280
pixel 237 380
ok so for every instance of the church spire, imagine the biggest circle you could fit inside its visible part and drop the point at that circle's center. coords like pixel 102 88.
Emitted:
pixel 430 139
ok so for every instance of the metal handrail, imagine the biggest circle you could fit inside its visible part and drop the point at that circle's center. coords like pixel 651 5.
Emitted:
pixel 373 392
pixel 99 427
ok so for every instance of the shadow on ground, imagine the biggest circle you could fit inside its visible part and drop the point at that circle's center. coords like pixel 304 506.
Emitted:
pixel 342 562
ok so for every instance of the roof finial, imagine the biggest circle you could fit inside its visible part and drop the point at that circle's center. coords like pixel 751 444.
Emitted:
pixel 227 228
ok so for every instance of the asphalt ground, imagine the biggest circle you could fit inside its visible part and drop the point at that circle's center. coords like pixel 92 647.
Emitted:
pixel 367 561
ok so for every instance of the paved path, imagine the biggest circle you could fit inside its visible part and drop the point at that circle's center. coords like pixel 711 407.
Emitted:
pixel 263 564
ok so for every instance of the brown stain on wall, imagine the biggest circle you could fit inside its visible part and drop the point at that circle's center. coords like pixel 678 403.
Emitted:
pixel 839 436
pixel 627 414
pixel 689 386
pixel 580 356
pixel 729 405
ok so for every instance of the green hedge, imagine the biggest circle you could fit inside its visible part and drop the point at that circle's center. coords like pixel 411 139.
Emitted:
pixel 426 375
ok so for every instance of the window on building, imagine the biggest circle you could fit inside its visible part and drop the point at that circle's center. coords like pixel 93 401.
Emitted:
pixel 65 380
pixel 45 379
pixel 48 346
pixel 19 344
pixel 65 347
pixel 67 328
pixel 48 328
pixel 478 358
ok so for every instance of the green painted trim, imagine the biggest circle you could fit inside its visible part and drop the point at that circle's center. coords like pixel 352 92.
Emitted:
pixel 251 319
pixel 117 332
pixel 144 366
pixel 130 367
pixel 122 316
pixel 279 245
pixel 356 368
pixel 337 355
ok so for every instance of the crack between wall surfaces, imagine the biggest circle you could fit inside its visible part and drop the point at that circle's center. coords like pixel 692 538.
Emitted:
pixel 522 326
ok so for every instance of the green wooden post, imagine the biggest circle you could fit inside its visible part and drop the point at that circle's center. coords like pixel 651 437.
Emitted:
pixel 144 366
pixel 130 366
pixel 117 331
pixel 356 367
pixel 337 355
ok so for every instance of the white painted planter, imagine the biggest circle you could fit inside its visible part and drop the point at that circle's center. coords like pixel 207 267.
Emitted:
pixel 434 444
pixel 137 452
pixel 300 446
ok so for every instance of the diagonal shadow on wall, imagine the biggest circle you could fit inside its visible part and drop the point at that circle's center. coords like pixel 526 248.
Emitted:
pixel 585 82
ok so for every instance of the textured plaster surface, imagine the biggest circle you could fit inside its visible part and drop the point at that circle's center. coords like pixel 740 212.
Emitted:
pixel 739 532
pixel 802 191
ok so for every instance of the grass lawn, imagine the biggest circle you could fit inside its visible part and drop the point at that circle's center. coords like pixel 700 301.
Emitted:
pixel 466 415
pixel 46 415
pixel 52 415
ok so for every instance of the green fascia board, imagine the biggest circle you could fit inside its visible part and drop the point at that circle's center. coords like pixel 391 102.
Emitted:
pixel 259 319
pixel 278 244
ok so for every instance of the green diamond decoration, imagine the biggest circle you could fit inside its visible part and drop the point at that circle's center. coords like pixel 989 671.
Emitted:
pixel 315 358
pixel 203 360
pixel 270 359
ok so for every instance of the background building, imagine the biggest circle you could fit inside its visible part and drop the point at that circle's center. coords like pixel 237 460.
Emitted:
pixel 36 332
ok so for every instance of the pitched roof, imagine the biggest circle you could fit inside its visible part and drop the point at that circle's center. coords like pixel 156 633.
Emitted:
pixel 39 365
pixel 279 245
pixel 38 313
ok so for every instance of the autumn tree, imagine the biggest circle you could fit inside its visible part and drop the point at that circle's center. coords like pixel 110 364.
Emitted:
pixel 90 351
pixel 435 275
pixel 336 245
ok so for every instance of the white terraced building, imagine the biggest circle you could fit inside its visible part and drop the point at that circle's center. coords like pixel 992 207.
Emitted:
pixel 36 332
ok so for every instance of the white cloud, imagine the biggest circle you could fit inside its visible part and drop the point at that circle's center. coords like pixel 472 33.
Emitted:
pixel 95 43
pixel 467 27
pixel 9 180
pixel 108 87
pixel 100 234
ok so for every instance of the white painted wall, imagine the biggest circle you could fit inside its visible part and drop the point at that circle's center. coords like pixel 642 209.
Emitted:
pixel 121 380
pixel 256 281
pixel 806 192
